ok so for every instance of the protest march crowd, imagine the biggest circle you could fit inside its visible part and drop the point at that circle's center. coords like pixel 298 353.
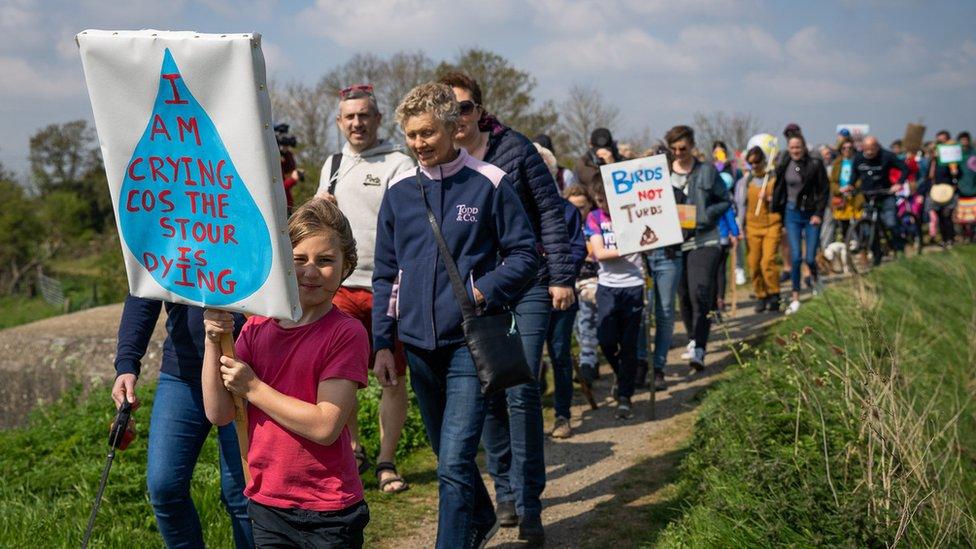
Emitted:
pixel 410 259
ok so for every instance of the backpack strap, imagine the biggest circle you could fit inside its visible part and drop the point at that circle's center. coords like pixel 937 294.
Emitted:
pixel 333 171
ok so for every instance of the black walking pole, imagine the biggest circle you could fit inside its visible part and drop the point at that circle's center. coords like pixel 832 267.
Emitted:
pixel 117 439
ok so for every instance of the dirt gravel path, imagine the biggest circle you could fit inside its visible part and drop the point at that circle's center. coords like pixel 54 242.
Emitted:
pixel 583 471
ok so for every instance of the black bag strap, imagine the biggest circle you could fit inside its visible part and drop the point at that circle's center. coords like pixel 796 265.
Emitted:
pixel 467 307
pixel 333 170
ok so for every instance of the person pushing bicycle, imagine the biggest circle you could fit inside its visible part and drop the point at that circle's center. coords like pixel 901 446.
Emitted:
pixel 872 167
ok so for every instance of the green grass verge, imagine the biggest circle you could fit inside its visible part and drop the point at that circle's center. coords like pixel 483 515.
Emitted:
pixel 853 424
pixel 97 278
pixel 51 470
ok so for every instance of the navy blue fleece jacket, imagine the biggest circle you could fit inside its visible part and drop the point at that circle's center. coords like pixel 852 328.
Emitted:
pixel 517 156
pixel 486 230
pixel 183 348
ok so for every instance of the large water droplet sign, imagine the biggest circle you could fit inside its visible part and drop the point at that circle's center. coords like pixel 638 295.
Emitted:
pixel 183 121
pixel 182 203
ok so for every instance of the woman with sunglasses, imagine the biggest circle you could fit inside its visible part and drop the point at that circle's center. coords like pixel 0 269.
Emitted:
pixel 482 220
pixel 697 184
pixel 763 229
pixel 514 438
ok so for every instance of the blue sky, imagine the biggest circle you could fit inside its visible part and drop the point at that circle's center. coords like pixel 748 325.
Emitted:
pixel 885 63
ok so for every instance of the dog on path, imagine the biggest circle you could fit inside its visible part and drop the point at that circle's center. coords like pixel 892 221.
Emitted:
pixel 838 258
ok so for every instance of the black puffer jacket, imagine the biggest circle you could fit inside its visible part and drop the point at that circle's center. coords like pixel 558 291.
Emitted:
pixel 816 187
pixel 514 153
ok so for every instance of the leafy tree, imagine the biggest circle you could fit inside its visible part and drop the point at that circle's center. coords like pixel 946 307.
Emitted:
pixel 61 154
pixel 20 233
pixel 507 91
pixel 65 159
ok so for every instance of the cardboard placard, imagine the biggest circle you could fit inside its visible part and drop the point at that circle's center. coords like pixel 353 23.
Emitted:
pixel 184 125
pixel 858 131
pixel 641 203
pixel 914 136
pixel 687 216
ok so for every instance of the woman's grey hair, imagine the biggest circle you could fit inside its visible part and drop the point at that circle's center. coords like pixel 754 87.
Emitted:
pixel 434 98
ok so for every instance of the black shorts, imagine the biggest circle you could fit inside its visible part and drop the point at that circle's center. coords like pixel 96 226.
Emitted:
pixel 276 527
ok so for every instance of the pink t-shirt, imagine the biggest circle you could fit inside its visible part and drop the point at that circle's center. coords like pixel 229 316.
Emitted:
pixel 288 470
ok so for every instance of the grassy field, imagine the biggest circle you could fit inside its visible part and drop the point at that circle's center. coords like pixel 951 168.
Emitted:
pixel 51 470
pixel 92 279
pixel 853 424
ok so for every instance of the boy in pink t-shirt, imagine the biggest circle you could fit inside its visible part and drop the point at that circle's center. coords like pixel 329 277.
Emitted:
pixel 300 380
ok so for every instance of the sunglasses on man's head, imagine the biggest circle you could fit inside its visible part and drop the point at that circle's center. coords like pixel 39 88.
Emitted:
pixel 467 106
pixel 362 88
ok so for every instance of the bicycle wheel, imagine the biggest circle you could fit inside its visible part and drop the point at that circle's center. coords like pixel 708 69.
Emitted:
pixel 858 236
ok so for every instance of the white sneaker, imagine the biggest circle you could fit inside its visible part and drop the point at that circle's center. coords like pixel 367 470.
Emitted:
pixel 697 360
pixel 794 307
pixel 740 276
pixel 689 350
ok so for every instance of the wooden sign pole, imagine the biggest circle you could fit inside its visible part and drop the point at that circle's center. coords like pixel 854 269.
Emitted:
pixel 650 360
pixel 240 420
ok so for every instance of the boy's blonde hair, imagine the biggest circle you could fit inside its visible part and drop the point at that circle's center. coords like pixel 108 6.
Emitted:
pixel 318 216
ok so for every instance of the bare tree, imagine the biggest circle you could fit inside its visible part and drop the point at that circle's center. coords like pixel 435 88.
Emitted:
pixel 734 129
pixel 391 78
pixel 309 111
pixel 641 140
pixel 584 110
pixel 403 71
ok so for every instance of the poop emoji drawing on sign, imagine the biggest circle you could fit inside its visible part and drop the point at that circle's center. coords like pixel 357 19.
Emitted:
pixel 649 237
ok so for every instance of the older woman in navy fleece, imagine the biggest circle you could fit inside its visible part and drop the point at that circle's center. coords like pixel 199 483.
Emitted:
pixel 482 220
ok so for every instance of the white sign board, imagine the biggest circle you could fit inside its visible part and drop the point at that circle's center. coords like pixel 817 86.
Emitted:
pixel 641 203
pixel 857 131
pixel 949 153
pixel 184 125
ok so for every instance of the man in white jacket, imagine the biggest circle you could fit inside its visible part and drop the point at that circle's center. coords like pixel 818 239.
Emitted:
pixel 356 179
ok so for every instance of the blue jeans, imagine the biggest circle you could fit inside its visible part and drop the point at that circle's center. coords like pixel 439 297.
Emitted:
pixel 665 273
pixel 586 333
pixel 449 397
pixel 560 342
pixel 514 439
pixel 888 213
pixel 799 228
pixel 178 428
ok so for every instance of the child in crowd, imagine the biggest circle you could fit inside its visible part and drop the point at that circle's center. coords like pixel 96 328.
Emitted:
pixel 559 338
pixel 620 301
pixel 300 381
pixel 586 320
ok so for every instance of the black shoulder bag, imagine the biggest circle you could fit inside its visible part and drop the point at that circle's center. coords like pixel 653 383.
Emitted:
pixel 493 340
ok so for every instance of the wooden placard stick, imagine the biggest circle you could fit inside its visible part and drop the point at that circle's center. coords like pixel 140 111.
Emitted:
pixel 240 405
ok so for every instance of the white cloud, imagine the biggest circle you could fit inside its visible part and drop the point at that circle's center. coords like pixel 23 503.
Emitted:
pixel 261 10
pixel 390 25
pixel 25 80
pixel 275 59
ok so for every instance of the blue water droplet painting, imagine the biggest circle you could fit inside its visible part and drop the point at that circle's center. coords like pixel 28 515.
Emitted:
pixel 184 212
